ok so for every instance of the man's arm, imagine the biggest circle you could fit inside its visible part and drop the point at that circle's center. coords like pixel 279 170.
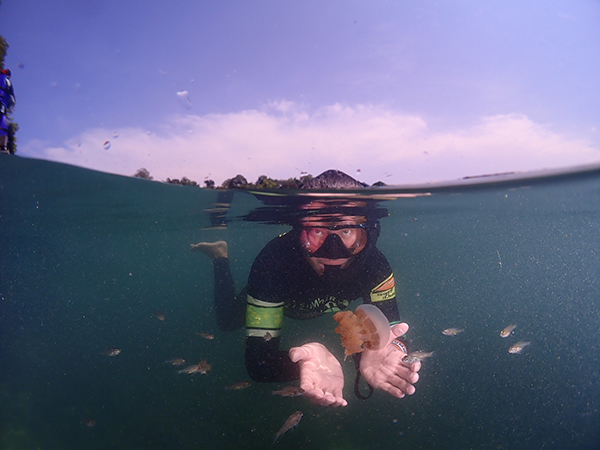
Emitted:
pixel 264 360
pixel 383 369
pixel 383 295
pixel 265 363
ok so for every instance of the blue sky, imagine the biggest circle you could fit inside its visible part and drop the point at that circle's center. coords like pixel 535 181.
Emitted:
pixel 398 91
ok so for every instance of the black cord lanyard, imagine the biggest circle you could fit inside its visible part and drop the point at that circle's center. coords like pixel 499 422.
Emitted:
pixel 357 380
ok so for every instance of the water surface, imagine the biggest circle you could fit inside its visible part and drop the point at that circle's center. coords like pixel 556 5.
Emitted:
pixel 88 259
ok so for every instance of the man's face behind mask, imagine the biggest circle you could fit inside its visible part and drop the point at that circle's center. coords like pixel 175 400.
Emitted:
pixel 324 240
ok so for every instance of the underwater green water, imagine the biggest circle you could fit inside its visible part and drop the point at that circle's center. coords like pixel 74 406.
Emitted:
pixel 88 259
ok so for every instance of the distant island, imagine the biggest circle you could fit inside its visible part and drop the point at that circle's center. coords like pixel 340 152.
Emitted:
pixel 240 182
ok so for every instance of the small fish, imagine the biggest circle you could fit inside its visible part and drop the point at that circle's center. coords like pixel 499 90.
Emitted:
pixel 413 357
pixel 112 351
pixel 160 316
pixel 239 386
pixel 175 361
pixel 208 336
pixel 289 391
pixel 90 423
pixel 290 423
pixel 204 367
pixel 452 331
pixel 507 331
pixel 189 369
pixel 518 347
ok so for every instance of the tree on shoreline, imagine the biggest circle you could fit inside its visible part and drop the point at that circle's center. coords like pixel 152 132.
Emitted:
pixel 237 182
pixel 3 49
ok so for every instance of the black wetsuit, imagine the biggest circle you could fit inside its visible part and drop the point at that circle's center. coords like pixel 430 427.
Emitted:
pixel 282 275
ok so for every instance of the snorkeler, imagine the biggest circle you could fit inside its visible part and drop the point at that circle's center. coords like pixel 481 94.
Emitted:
pixel 326 261
pixel 7 102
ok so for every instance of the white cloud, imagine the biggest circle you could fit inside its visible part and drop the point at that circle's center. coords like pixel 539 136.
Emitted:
pixel 369 142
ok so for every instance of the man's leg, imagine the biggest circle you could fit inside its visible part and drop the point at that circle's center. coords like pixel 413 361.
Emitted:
pixel 231 309
pixel 3 134
pixel 3 144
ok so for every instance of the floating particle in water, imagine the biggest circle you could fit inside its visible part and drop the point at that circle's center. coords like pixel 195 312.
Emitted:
pixel 184 99
pixel 106 145
pixel 115 135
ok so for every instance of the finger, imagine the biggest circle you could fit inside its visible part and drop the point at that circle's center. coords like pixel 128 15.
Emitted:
pixel 399 329
pixel 415 367
pixel 315 395
pixel 392 390
pixel 318 397
pixel 321 399
pixel 332 400
pixel 328 400
pixel 297 353
pixel 339 398
pixel 402 384
pixel 407 373
pixel 339 402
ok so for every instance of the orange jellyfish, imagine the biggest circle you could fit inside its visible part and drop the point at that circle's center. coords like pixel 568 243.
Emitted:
pixel 367 328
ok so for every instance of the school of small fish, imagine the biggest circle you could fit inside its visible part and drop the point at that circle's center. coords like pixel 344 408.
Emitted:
pixel 203 367
pixel 504 333
pixel 417 356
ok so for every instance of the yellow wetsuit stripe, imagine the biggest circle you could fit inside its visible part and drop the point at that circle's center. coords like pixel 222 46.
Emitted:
pixel 385 290
pixel 263 317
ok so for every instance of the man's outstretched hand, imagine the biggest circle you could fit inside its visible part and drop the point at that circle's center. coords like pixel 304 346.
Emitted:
pixel 321 374
pixel 383 369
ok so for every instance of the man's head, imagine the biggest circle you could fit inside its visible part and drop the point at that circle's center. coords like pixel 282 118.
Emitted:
pixel 329 233
pixel 333 231
pixel 333 227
